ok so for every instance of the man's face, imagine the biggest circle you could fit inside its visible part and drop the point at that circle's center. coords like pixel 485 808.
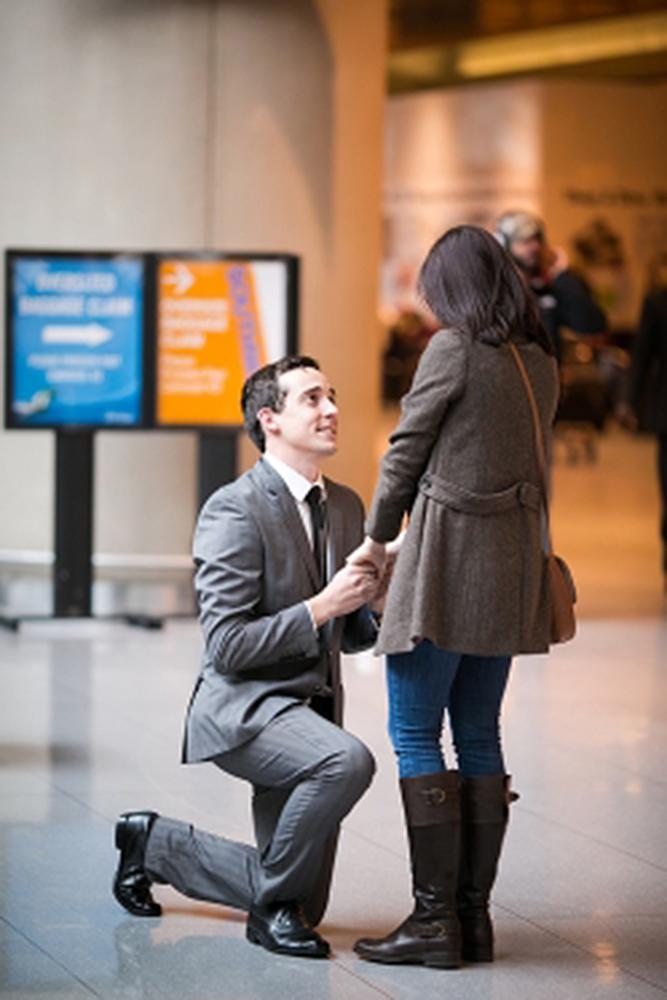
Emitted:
pixel 528 253
pixel 308 421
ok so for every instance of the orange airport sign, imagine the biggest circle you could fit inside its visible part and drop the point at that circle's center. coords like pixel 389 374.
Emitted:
pixel 210 339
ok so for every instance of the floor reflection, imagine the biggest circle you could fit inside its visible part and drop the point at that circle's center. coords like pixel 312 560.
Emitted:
pixel 90 721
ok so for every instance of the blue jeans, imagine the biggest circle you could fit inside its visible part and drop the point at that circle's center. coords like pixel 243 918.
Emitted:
pixel 423 683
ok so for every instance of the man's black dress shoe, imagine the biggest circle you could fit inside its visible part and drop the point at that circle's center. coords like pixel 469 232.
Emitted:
pixel 282 928
pixel 131 884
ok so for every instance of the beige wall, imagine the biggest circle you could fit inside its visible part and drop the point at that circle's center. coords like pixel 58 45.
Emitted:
pixel 605 161
pixel 102 144
pixel 572 151
pixel 454 156
pixel 192 125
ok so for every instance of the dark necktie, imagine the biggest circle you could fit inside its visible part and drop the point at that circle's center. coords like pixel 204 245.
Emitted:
pixel 315 501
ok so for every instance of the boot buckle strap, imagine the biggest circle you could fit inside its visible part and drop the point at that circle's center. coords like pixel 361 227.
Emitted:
pixel 434 796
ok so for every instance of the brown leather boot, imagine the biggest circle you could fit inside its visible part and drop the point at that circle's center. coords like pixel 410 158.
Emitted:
pixel 431 934
pixel 484 815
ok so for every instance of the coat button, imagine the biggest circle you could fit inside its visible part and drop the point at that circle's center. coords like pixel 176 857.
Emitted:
pixel 317 688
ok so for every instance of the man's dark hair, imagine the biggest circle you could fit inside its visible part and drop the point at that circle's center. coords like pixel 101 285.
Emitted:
pixel 262 389
pixel 471 284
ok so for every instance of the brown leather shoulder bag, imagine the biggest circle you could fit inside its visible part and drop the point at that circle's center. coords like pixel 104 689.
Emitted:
pixel 560 582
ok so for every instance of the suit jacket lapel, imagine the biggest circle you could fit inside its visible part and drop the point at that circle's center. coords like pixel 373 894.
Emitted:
pixel 334 538
pixel 275 486
pixel 334 543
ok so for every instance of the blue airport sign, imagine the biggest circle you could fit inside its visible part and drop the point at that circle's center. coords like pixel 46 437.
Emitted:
pixel 77 341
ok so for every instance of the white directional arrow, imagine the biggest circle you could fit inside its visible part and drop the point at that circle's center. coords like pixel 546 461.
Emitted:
pixel 90 335
pixel 181 279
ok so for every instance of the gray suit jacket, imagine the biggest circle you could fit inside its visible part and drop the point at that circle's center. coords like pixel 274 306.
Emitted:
pixel 254 569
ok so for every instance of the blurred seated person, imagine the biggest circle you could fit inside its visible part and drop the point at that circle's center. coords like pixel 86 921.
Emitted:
pixel 407 337
pixel 563 297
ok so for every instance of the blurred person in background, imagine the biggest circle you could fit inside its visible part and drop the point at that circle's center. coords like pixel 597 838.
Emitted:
pixel 647 388
pixel 563 298
pixel 468 590
pixel 407 337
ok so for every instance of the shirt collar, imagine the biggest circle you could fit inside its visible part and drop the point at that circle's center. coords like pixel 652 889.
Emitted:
pixel 297 484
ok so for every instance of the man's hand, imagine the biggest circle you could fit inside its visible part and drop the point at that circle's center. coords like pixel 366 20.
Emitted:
pixel 352 586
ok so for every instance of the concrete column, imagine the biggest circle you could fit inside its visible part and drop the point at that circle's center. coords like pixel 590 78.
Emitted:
pixel 297 166
pixel 191 125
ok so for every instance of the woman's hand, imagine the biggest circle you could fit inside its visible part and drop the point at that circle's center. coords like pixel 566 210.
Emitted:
pixel 394 546
pixel 392 549
pixel 371 552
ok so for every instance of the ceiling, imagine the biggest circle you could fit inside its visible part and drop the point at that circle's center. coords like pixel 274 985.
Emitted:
pixel 436 43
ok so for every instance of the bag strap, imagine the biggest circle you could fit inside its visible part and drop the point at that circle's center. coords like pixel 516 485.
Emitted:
pixel 539 438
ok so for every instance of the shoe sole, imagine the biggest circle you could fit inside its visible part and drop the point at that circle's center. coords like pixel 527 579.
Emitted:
pixel 255 937
pixel 132 910
pixel 478 956
pixel 436 960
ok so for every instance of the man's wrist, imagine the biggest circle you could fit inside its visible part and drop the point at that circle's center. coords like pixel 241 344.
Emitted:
pixel 311 615
pixel 318 610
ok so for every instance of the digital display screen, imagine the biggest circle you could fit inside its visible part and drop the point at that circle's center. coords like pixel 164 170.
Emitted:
pixel 218 320
pixel 75 340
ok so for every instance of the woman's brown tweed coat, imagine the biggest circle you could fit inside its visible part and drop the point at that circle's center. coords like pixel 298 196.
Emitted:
pixel 471 573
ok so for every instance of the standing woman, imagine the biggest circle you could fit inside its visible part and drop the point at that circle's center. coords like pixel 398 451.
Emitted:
pixel 469 588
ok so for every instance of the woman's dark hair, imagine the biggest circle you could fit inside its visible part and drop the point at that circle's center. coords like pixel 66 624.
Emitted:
pixel 472 284
pixel 262 389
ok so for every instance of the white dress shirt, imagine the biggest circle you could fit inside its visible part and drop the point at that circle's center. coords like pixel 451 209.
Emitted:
pixel 299 487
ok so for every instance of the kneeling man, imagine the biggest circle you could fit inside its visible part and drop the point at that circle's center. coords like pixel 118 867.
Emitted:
pixel 277 604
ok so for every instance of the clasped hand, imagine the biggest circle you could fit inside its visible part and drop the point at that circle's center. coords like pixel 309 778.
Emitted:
pixel 381 559
pixel 364 579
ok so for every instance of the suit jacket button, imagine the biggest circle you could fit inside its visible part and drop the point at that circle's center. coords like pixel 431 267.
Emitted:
pixel 317 688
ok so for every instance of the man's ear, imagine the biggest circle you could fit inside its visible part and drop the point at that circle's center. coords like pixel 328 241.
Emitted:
pixel 267 418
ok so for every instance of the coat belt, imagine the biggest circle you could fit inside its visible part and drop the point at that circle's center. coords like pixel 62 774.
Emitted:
pixel 521 494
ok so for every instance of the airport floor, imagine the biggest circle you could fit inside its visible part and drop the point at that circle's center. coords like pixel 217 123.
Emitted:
pixel 90 718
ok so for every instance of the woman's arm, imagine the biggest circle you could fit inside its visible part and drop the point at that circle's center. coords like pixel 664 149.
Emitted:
pixel 439 380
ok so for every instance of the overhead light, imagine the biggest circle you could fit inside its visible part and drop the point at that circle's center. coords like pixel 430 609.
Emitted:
pixel 563 46
pixel 527 51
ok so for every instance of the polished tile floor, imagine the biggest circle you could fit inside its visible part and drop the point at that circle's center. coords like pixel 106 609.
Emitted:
pixel 90 716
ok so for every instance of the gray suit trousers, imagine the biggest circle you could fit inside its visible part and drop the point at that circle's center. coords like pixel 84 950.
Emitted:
pixel 307 774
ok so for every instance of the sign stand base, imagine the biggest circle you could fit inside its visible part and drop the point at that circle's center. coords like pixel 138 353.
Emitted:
pixel 73 569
